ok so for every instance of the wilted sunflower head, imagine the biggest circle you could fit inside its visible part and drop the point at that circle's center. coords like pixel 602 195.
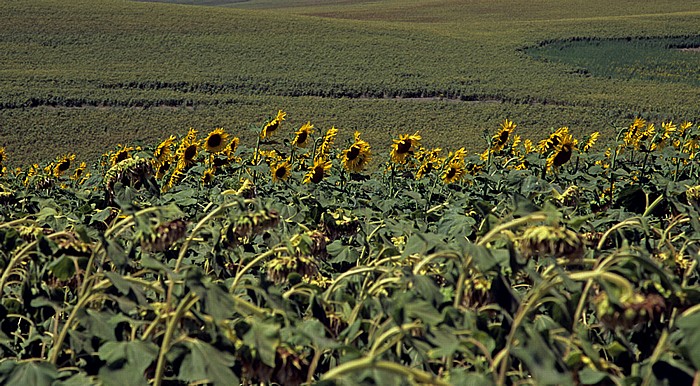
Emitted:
pixel 552 241
pixel 301 137
pixel 63 164
pixel 271 127
pixel 317 171
pixel 216 141
pixel 692 194
pixel 357 156
pixel 404 146
pixel 280 170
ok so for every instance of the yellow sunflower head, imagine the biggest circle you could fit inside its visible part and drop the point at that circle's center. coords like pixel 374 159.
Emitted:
pixel 162 169
pixel 563 152
pixel 301 137
pixel 230 150
pixel 404 146
pixel 357 156
pixel 79 172
pixel 590 142
pixel 318 171
pixel 273 125
pixel 453 172
pixel 187 151
pixel 208 176
pixel 175 178
pixel 123 152
pixel 3 156
pixel 324 150
pixel 499 140
pixel 550 143
pixel 63 164
pixel 215 141
pixel 163 151
pixel 280 170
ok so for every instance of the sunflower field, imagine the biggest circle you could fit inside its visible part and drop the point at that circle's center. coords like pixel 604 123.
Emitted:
pixel 307 259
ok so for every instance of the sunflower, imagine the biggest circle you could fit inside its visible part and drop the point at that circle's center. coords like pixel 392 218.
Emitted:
pixel 590 142
pixel 3 156
pixel 281 170
pixel 528 146
pixel 230 150
pixel 163 151
pixel 430 160
pixel 301 138
pixel 162 168
pixel 404 146
pixel 123 152
pixel 79 173
pixel 317 171
pixel 563 151
pixel 216 141
pixel 63 164
pixel 499 140
pixel 356 157
pixel 454 171
pixel 550 143
pixel 208 176
pixel 683 127
pixel 175 178
pixel 272 126
pixel 187 152
pixel 328 139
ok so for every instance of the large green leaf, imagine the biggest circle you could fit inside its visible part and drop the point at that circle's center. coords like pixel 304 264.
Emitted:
pixel 205 362
pixel 126 362
pixel 263 338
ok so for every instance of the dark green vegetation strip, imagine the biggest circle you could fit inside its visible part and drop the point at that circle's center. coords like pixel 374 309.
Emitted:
pixel 657 59
pixel 130 71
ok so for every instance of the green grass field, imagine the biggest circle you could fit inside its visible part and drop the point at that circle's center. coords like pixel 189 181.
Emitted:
pixel 82 76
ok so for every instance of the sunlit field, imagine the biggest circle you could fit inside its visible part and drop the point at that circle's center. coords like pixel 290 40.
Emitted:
pixel 85 76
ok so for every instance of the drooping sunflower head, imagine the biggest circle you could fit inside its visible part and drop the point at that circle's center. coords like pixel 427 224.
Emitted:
pixel 301 137
pixel 404 146
pixel 280 170
pixel 562 152
pixel 453 172
pixel 318 171
pixel 273 125
pixel 357 156
pixel 499 140
pixel 216 141
pixel 230 150
pixel 162 169
pixel 163 151
pixel 63 164
pixel 554 241
pixel 175 178
pixel 324 150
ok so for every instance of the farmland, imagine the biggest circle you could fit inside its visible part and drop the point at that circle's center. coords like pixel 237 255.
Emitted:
pixel 353 192
pixel 85 76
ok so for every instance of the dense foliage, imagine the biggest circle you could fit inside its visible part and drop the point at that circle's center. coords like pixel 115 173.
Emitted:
pixel 308 259
pixel 85 75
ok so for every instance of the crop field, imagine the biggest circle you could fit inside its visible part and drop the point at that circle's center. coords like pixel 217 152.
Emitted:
pixel 350 192
pixel 86 75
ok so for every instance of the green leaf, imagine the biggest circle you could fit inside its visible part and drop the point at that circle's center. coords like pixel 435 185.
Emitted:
pixel 32 373
pixel 126 362
pixel 690 343
pixel 205 362
pixel 423 311
pixel 263 339
pixel 342 253
pixel 589 376
pixel 63 268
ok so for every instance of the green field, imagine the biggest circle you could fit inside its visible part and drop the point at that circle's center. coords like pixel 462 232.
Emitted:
pixel 82 76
